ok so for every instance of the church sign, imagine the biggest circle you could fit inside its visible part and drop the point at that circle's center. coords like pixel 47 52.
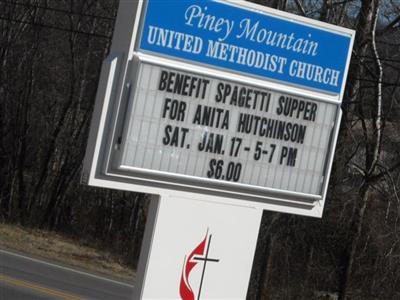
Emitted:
pixel 220 97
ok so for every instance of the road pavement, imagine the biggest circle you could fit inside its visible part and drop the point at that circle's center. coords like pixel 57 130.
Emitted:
pixel 28 278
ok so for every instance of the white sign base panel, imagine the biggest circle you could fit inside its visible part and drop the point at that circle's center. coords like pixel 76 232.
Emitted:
pixel 196 249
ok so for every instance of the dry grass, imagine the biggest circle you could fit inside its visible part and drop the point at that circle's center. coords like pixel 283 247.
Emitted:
pixel 63 250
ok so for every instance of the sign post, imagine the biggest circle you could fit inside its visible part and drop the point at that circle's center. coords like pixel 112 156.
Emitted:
pixel 196 249
pixel 222 109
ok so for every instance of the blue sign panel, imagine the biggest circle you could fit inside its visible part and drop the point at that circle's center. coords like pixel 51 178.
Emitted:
pixel 225 36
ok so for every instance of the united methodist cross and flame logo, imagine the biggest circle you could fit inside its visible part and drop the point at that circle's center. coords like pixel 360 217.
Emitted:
pixel 196 257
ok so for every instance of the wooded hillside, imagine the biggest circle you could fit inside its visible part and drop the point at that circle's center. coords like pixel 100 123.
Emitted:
pixel 51 54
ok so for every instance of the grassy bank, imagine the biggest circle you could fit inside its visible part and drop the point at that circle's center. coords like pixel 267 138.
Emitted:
pixel 62 250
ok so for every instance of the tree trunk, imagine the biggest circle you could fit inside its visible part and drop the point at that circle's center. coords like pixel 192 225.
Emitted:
pixel 266 271
pixel 350 252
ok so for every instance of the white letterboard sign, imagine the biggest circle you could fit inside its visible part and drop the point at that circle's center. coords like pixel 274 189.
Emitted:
pixel 225 98
pixel 210 130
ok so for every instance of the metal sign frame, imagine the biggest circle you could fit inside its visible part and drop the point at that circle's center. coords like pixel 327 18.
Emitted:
pixel 116 84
